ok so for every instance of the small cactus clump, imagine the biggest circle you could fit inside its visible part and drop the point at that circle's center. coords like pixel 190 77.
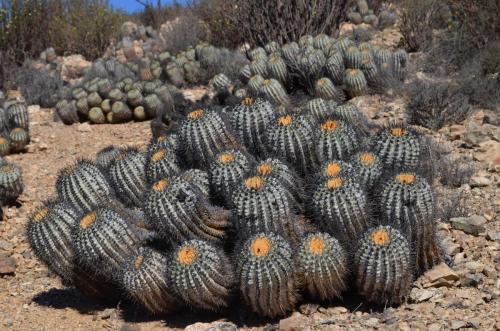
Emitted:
pixel 322 264
pixel 268 259
pixel 201 275
pixel 382 265
pixel 11 183
pixel 355 82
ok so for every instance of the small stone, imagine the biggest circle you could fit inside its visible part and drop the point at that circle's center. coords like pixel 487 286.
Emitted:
pixel 452 249
pixel 419 295
pixel 371 322
pixel 106 313
pixel 434 327
pixel 403 326
pixel 493 235
pixel 6 246
pixel 308 308
pixel 470 225
pixel 471 280
pixel 130 327
pixel 296 322
pixel 84 127
pixel 480 181
pixel 457 132
pixel 215 326
pixel 441 275
pixel 475 266
pixel 474 322
pixel 7 265
pixel 456 325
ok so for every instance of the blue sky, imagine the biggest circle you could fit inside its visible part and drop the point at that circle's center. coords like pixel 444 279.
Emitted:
pixel 131 6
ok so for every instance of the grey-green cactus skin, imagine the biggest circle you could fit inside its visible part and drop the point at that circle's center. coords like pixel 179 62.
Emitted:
pixel 161 162
pixel 325 89
pixel 368 168
pixel 334 67
pixel 400 64
pixel 144 278
pixel 259 67
pixel 67 112
pixel 4 146
pixel 255 83
pixel 268 258
pixel 83 185
pixel 349 113
pixel 201 274
pixel 178 210
pixel 352 58
pixel 17 114
pixel 274 91
pixel 355 82
pixel 382 266
pixel 276 68
pixel 318 109
pixel 398 145
pixel 106 156
pixel 198 178
pixel 337 139
pixel 19 139
pixel 322 264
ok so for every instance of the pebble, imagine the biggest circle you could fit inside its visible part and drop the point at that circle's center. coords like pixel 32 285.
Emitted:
pixel 308 308
pixel 371 322
pixel 471 225
pixel 84 127
pixel 419 295
pixel 214 326
pixel 7 265
pixel 475 266
pixel 6 246
pixel 480 181
pixel 493 235
pixel 296 322
pixel 441 275
pixel 456 325
pixel 471 280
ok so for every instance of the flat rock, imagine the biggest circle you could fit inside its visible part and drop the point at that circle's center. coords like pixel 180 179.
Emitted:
pixel 479 181
pixel 84 127
pixel 420 295
pixel 474 266
pixel 493 235
pixel 7 265
pixel 214 326
pixel 457 325
pixel 295 322
pixel 470 225
pixel 471 280
pixel 441 275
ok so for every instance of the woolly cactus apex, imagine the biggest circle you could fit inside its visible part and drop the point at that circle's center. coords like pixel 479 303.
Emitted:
pixel 201 275
pixel 352 58
pixel 255 83
pixel 259 67
pixel 274 91
pixel 49 235
pixel 4 146
pixel 83 186
pixel 272 47
pixel 152 105
pixel 103 240
pixel 245 73
pixel 340 207
pixel 19 138
pixel 318 109
pixel 144 280
pixel 276 68
pixel 355 82
pixel 120 112
pixel 140 113
pixel 323 266
pixel 161 162
pixel 383 267
pixel 290 52
pixel 178 210
pixel 106 156
pixel 334 67
pixel 406 201
pixel 268 259
pixel 325 89
pixel 397 145
pixel 334 168
pixel 292 138
pixel 67 112
pixel 221 82
pixel 337 139
pixel 284 174
pixel 250 119
pixel 197 178
pixel 128 178
pixel 227 170
pixel 17 114
pixel 257 53
pixel 11 183
pixel 262 205
pixel 204 133
pixel 400 64
pixel 368 168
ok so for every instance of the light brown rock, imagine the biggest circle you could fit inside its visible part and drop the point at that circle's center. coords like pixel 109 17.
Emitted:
pixel 72 66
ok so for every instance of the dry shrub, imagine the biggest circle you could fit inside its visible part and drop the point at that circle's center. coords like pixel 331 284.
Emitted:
pixel 38 87
pixel 186 30
pixel 418 18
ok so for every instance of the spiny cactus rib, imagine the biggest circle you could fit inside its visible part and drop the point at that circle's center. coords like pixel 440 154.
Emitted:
pixel 324 88
pixel 355 82
pixel 161 162
pixel 368 168
pixel 19 138
pixel 398 146
pixel 127 176
pixel 336 140
pixel 145 281
pixel 340 207
pixel 198 178
pixel 272 89
pixel 201 275
pixel 383 266
pixel 268 259
pixel 292 138
pixel 106 156
pixel 178 210
pixel 17 114
pixel 323 266
pixel 83 185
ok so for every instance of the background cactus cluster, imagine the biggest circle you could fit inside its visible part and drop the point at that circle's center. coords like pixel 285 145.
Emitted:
pixel 320 66
pixel 250 202
pixel 14 123
pixel 361 13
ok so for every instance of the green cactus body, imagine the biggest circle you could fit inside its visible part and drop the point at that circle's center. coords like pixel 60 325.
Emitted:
pixel 82 106
pixel 255 83
pixel 201 275
pixel 348 112
pixel 268 259
pixel 335 68
pixel 306 41
pixel 340 207
pixel 67 112
pixel 272 47
pixel 318 109
pixel 94 99
pixel 382 266
pixel 257 53
pixel 11 183
pixel 382 55
pixel 336 140
pixel 116 95
pixel 355 17
pixel 83 186
pixel 199 179
pixel 120 112
pixel 325 89
pixel 245 73
pixel 128 178
pixel 312 63
pixel 135 98
pixel 144 280
pixel 343 44
pixel 407 203
pixel 322 264
pixel 398 146
pixel 106 156
pixel 259 67
pixel 274 91
pixel 140 113
pixel 400 64
pixel 17 114
pixel 276 68
pixel 290 52
pixel 177 209
pixel 355 82
pixel 78 93
pixel 221 82
pixel 352 58
pixel 204 133
pixel 104 87
pixel 321 41
pixel 19 138
pixel 152 105
pixel 371 72
pixel 106 106
pixel 4 146
pixel 226 171
pixel 368 168
pixel 174 74
pixel 96 115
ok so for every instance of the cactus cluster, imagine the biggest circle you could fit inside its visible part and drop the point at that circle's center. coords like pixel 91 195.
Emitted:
pixel 361 13
pixel 14 124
